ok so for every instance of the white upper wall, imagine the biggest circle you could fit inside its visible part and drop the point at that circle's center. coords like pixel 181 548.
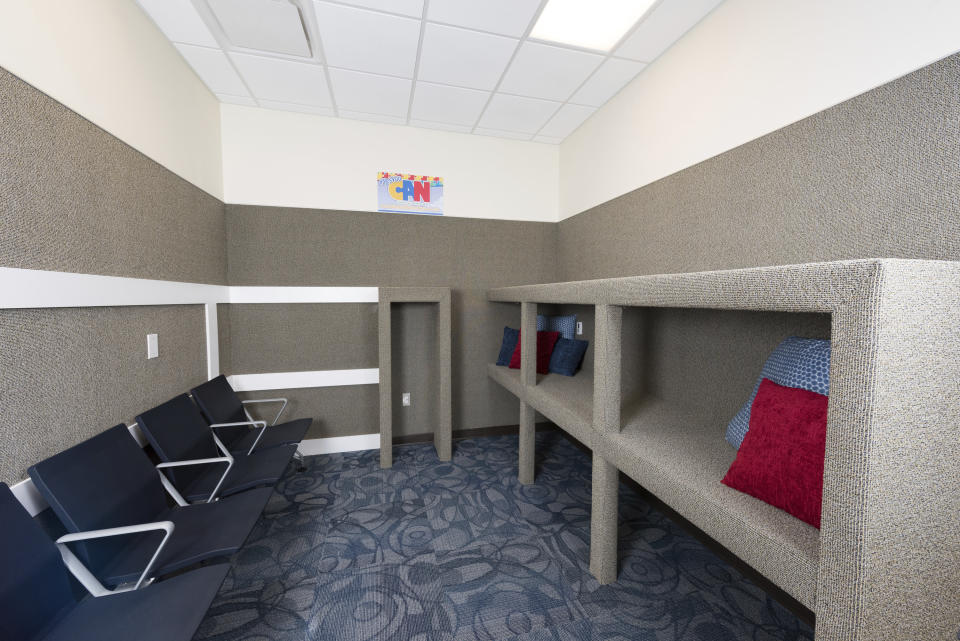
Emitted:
pixel 289 159
pixel 107 61
pixel 751 67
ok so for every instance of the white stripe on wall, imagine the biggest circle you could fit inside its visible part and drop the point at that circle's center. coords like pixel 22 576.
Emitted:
pixel 33 288
pixel 295 380
pixel 29 497
pixel 304 294
pixel 30 288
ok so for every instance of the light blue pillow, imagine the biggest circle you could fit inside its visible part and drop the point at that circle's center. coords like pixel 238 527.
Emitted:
pixel 796 362
pixel 566 325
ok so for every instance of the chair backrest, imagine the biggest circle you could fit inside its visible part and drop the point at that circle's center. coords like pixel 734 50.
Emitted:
pixel 177 432
pixel 34 587
pixel 220 404
pixel 105 481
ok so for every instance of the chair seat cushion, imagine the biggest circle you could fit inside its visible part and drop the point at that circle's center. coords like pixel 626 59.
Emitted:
pixel 165 611
pixel 201 531
pixel 259 468
pixel 289 433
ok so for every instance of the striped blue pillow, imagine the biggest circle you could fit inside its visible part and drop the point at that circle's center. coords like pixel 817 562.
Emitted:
pixel 566 325
pixel 796 362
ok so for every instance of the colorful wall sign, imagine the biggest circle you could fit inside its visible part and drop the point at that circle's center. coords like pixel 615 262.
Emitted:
pixel 409 194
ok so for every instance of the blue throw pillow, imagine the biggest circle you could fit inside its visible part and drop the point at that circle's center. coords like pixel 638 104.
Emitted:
pixel 796 362
pixel 567 356
pixel 566 325
pixel 510 337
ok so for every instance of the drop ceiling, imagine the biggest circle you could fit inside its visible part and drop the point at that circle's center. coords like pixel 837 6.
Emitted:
pixel 457 65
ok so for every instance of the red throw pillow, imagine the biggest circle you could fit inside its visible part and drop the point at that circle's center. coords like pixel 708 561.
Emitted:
pixel 545 344
pixel 781 459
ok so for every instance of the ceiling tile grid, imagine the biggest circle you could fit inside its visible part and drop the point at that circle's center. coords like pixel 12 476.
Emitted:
pixel 452 65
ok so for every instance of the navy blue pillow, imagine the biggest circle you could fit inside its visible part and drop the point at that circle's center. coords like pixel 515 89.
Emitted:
pixel 567 356
pixel 510 337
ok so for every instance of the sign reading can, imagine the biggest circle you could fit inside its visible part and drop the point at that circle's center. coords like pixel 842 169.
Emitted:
pixel 409 193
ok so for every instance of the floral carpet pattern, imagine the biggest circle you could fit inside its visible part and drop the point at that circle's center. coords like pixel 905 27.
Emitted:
pixel 460 551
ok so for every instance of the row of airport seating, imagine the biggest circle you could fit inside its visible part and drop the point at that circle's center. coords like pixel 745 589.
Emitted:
pixel 144 539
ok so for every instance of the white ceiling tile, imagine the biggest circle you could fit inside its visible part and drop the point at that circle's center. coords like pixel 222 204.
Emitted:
pixel 513 113
pixel 290 106
pixel 368 41
pixel 553 73
pixel 607 81
pixel 179 21
pixel 283 80
pixel 359 115
pixel 406 7
pixel 369 93
pixel 499 133
pixel 442 103
pixel 548 140
pixel 443 126
pixel 247 101
pixel 214 69
pixel 663 26
pixel 507 17
pixel 566 121
pixel 262 25
pixel 464 58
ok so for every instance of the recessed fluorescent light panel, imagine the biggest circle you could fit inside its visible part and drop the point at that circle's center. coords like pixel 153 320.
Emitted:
pixel 590 24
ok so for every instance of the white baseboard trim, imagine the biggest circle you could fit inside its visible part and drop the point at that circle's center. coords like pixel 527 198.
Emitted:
pixel 297 380
pixel 336 444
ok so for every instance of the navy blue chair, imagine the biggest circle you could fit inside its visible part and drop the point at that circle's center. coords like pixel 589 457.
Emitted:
pixel 226 413
pixel 37 599
pixel 193 454
pixel 108 481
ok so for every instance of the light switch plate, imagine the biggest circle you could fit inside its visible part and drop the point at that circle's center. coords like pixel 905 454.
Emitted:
pixel 579 328
pixel 406 399
pixel 153 348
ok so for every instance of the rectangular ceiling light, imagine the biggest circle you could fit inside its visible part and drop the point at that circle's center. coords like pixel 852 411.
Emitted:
pixel 597 24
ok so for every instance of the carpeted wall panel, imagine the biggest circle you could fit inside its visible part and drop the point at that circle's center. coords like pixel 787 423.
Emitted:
pixel 283 246
pixel 75 198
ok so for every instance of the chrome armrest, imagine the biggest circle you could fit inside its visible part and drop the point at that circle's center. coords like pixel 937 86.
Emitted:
pixel 226 458
pixel 270 400
pixel 83 574
pixel 262 424
pixel 238 424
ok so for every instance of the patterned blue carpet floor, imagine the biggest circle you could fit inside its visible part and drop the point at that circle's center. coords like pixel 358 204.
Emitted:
pixel 458 551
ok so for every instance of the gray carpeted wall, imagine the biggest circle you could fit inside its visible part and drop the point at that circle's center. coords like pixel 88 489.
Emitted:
pixel 279 246
pixel 875 176
pixel 878 175
pixel 74 198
